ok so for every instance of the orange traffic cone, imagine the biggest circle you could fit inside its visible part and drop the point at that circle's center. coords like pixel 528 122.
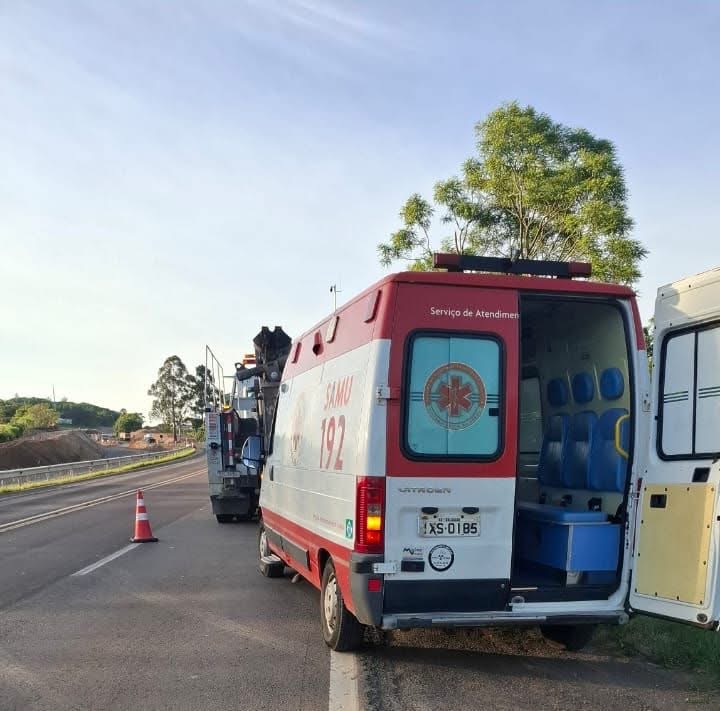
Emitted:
pixel 143 532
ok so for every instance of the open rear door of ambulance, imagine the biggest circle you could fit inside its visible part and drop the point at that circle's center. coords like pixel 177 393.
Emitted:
pixel 676 565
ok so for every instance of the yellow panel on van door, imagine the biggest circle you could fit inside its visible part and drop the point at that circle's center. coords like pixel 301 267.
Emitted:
pixel 674 541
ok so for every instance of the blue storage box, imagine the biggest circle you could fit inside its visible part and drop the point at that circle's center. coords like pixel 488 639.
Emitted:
pixel 573 541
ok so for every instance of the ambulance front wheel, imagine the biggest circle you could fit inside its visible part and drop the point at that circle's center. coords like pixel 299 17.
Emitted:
pixel 340 628
pixel 572 637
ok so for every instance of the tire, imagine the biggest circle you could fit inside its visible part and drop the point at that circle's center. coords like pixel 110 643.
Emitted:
pixel 340 628
pixel 269 570
pixel 224 518
pixel 572 637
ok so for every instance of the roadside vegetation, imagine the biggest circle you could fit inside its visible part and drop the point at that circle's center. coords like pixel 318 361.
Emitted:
pixel 20 415
pixel 670 644
pixel 15 421
pixel 127 422
pixel 71 479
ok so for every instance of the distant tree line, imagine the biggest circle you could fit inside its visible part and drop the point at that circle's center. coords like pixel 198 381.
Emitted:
pixel 15 421
pixel 21 414
pixel 83 414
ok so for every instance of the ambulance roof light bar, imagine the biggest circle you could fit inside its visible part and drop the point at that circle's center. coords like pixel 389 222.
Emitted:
pixel 504 265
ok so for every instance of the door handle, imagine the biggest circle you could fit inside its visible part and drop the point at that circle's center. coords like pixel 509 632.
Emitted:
pixel 618 446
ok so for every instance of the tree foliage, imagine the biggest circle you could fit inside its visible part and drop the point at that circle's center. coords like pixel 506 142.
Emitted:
pixel 535 190
pixel 38 416
pixel 41 416
pixel 649 334
pixel 172 394
pixel 128 422
pixel 19 414
pixel 202 392
pixel 82 414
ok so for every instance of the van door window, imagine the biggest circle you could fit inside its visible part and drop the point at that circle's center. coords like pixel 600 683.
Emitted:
pixel 453 397
pixel 690 391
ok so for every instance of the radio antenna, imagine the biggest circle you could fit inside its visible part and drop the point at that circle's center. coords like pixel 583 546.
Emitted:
pixel 335 291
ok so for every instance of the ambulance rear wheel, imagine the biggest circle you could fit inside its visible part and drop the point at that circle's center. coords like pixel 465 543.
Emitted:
pixel 274 569
pixel 572 637
pixel 340 628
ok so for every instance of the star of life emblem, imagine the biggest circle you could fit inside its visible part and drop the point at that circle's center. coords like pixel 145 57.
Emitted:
pixel 454 396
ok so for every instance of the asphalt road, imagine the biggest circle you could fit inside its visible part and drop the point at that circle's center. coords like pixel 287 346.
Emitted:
pixel 188 624
pixel 35 555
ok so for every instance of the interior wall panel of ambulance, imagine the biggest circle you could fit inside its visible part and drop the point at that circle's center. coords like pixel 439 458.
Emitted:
pixel 572 483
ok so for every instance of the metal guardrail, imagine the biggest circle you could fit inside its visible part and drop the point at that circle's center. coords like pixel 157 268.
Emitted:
pixel 10 477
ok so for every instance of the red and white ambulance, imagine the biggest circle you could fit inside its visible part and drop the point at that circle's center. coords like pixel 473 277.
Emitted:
pixel 478 449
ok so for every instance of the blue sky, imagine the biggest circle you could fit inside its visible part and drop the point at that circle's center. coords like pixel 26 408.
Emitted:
pixel 158 161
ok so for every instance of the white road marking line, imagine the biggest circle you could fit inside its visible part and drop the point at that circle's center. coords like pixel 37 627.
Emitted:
pixel 344 692
pixel 106 559
pixel 12 525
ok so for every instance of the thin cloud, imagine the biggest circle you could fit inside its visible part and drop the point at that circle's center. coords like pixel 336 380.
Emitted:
pixel 324 29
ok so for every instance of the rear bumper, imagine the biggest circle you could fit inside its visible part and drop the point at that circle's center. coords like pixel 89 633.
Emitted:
pixel 415 604
pixel 368 605
pixel 239 504
pixel 498 619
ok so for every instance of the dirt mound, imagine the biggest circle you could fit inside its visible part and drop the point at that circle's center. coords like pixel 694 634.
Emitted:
pixel 162 440
pixel 49 448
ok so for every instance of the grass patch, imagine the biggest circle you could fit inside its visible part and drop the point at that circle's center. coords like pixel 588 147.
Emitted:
pixel 670 644
pixel 73 478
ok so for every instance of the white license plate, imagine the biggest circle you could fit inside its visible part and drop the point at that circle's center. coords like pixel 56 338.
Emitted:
pixel 441 526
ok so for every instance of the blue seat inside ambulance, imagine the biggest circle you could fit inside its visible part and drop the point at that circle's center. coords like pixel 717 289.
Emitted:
pixel 552 452
pixel 578 454
pixel 608 468
pixel 576 465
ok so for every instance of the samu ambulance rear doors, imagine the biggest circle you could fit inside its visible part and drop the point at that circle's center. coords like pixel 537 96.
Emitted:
pixel 451 449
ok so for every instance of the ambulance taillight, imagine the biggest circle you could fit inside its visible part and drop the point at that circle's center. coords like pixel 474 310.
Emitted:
pixel 370 515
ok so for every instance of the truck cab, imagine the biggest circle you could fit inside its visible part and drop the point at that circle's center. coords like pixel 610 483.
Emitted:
pixel 462 448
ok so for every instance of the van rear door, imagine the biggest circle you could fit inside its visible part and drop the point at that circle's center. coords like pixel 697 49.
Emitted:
pixel 451 449
pixel 676 564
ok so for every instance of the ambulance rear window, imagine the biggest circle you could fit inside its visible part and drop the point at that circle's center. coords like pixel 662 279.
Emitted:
pixel 453 397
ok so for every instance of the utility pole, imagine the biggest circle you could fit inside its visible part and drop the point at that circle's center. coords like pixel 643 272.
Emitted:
pixel 335 291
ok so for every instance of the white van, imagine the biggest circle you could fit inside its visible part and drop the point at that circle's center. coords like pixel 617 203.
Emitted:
pixel 467 449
